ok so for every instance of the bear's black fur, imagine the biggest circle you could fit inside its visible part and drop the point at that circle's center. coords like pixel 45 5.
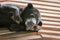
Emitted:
pixel 6 21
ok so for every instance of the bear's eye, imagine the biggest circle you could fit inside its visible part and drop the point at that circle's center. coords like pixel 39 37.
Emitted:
pixel 32 15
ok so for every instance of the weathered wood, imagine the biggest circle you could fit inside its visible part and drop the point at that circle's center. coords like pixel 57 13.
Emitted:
pixel 46 7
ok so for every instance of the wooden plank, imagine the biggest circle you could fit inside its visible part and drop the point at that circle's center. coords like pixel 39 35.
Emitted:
pixel 2 31
pixel 50 16
pixel 51 26
pixel 19 34
pixel 49 33
pixel 48 22
pixel 50 13
pixel 55 15
pixel 53 29
pixel 6 32
pixel 48 9
pixel 56 2
pixel 50 19
pixel 49 39
pixel 50 36
pixel 2 0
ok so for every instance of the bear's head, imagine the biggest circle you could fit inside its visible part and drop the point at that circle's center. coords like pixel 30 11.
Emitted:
pixel 30 16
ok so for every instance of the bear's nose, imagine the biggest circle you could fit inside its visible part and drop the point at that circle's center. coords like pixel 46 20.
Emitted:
pixel 36 29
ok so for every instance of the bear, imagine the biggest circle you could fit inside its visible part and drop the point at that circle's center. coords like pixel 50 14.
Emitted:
pixel 20 19
pixel 31 18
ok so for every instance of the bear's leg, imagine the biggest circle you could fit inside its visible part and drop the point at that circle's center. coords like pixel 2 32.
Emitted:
pixel 17 27
pixel 14 27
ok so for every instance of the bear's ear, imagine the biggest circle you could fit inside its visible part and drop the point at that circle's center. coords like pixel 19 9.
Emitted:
pixel 30 5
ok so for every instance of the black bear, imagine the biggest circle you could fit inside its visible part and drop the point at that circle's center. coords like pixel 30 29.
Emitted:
pixel 17 19
pixel 31 18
